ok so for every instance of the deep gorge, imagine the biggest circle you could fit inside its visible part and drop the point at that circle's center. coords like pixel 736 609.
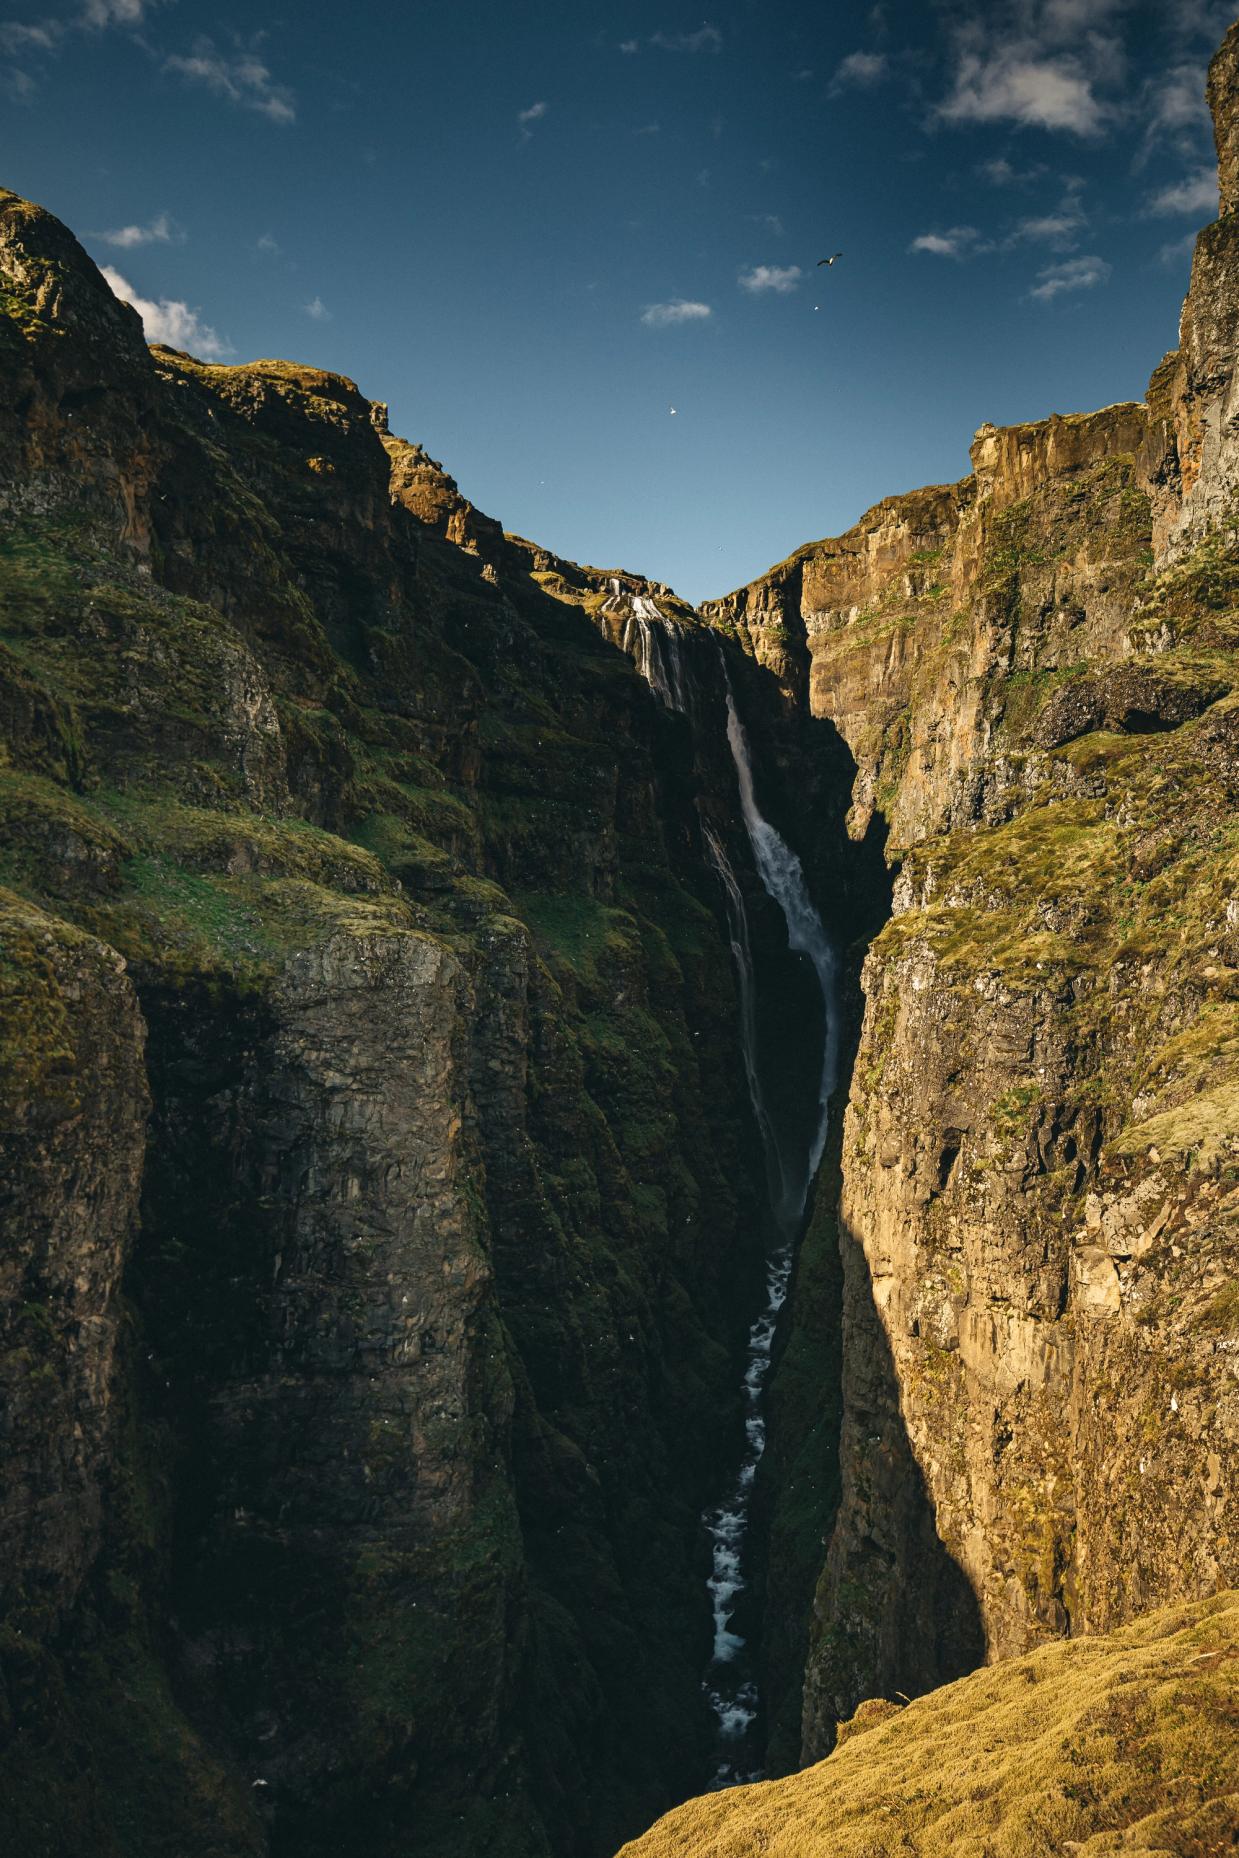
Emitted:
pixel 412 1102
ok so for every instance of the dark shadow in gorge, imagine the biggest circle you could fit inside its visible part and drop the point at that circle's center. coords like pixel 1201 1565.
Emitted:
pixel 894 1612
pixel 849 1570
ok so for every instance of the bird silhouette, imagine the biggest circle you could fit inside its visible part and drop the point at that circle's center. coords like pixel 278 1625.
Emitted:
pixel 829 261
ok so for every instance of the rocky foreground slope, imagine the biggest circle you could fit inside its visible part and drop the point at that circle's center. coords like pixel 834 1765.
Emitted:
pixel 383 1201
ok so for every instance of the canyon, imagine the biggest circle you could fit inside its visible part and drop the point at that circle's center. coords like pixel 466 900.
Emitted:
pixel 591 1186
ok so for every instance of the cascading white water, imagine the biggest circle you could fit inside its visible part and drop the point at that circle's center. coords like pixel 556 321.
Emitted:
pixel 653 643
pixel 730 1683
pixel 783 879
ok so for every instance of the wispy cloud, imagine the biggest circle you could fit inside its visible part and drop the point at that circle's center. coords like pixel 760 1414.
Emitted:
pixel 630 47
pixel 317 310
pixel 859 71
pixel 27 39
pixel 955 242
pixel 168 320
pixel 269 246
pixel 1176 251
pixel 527 118
pixel 649 129
pixel 1061 229
pixel 707 38
pixel 1175 100
pixel 770 221
pixel 1000 172
pixel 779 278
pixel 100 13
pixel 242 78
pixel 1071 274
pixel 162 230
pixel 678 310
pixel 1196 193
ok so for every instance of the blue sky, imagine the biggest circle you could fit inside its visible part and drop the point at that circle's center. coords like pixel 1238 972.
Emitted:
pixel 535 230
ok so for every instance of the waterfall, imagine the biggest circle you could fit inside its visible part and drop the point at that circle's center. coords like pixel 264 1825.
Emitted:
pixel 653 643
pixel 730 1683
pixel 783 879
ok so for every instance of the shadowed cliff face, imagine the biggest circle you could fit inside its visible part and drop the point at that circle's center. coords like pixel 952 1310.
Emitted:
pixel 1034 671
pixel 368 1392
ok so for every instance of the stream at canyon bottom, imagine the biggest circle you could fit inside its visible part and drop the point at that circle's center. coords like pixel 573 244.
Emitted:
pixel 731 1681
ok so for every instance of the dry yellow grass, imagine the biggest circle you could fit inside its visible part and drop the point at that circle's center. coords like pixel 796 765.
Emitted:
pixel 1127 1744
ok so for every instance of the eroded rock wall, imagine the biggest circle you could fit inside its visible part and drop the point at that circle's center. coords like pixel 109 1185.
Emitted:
pixel 1034 671
pixel 383 1521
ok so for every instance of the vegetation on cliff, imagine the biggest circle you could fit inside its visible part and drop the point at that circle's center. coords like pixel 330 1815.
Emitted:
pixel 1119 1744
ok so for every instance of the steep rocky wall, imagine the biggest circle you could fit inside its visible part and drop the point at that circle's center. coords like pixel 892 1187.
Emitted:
pixel 384 1520
pixel 73 1099
pixel 1033 669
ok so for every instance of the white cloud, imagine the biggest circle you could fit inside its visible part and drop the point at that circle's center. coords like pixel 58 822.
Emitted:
pixel 1000 172
pixel 630 46
pixel 269 245
pixel 707 38
pixel 679 310
pixel 102 13
pixel 649 129
pixel 1044 64
pixel 1176 99
pixel 18 36
pixel 1040 93
pixel 859 71
pixel 24 38
pixel 954 243
pixel 317 310
pixel 780 278
pixel 1061 230
pixel 1072 274
pixel 243 79
pixel 533 114
pixel 160 231
pixel 1196 193
pixel 170 321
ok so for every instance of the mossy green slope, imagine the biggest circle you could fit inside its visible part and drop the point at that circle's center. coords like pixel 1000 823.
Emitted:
pixel 1128 1743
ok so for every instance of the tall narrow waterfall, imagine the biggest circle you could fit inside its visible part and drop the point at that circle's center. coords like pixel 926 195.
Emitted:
pixel 731 1683
pixel 791 1163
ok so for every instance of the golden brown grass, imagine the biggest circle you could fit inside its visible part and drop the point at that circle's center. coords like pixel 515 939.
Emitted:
pixel 1125 1744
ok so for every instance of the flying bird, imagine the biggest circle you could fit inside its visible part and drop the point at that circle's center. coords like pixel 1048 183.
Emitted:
pixel 673 412
pixel 828 261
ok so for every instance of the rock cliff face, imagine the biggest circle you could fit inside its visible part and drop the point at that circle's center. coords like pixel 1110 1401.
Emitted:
pixel 382 1198
pixel 1034 671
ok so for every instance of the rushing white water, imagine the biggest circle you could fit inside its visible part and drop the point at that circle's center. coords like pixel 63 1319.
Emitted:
pixel 730 1683
pixel 655 646
pixel 653 643
pixel 782 876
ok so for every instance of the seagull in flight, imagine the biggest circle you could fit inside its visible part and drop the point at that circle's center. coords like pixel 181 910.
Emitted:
pixel 828 261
